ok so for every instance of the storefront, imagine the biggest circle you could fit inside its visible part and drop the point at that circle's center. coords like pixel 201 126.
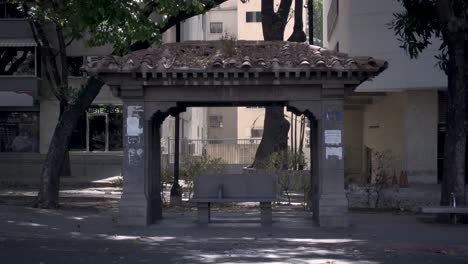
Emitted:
pixel 19 131
pixel 99 129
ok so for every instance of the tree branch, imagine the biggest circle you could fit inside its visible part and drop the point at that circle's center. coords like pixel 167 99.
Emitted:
pixel 7 57
pixel 268 18
pixel 181 16
pixel 15 65
pixel 63 57
pixel 298 34
pixel 172 21
pixel 283 10
pixel 52 69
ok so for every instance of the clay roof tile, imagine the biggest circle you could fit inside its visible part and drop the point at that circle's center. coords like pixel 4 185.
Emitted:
pixel 200 55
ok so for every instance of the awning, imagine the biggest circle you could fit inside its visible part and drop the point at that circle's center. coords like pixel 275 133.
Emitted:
pixel 26 42
pixel 16 99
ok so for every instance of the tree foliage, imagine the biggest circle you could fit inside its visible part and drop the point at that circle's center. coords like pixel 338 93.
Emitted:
pixel 125 24
pixel 418 24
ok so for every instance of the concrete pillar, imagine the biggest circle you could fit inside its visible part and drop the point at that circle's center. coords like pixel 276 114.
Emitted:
pixel 176 195
pixel 204 214
pixel 331 205
pixel 266 214
pixel 141 202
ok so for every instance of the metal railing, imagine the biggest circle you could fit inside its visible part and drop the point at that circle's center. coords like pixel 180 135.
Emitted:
pixel 230 151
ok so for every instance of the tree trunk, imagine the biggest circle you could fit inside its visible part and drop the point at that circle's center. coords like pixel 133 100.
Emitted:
pixel 275 136
pixel 48 196
pixel 65 171
pixel 275 128
pixel 298 34
pixel 310 11
pixel 453 181
pixel 453 25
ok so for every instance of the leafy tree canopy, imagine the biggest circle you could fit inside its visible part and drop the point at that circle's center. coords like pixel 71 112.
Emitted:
pixel 418 23
pixel 117 22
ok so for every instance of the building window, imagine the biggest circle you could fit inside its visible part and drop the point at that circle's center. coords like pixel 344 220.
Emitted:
pixel 74 66
pixel 99 129
pixel 332 17
pixel 10 10
pixel 256 132
pixel 18 61
pixel 19 131
pixel 216 27
pixel 216 121
pixel 253 17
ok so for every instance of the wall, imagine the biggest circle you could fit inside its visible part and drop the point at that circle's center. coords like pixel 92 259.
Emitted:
pixel 197 129
pixel 421 120
pixel 225 13
pixel 250 118
pixel 384 127
pixel 353 142
pixel 229 129
pixel 362 29
pixel 85 167
pixel 404 121
pixel 194 28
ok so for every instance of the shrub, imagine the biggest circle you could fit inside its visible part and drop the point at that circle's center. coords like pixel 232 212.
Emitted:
pixel 284 166
pixel 197 165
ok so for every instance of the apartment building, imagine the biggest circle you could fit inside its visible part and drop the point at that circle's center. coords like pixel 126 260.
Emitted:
pixel 403 109
pixel 233 20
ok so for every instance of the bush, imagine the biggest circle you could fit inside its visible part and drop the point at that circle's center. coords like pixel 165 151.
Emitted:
pixel 284 166
pixel 381 176
pixel 197 165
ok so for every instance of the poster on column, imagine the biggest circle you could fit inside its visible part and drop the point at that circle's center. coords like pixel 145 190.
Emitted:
pixel 133 121
pixel 333 137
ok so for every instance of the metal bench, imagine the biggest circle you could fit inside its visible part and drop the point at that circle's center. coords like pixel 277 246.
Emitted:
pixel 450 210
pixel 234 188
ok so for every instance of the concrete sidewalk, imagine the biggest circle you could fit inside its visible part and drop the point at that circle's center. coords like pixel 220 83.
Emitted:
pixel 89 234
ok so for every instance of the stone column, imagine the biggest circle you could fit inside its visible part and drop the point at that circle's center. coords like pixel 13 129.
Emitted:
pixel 140 202
pixel 331 203
pixel 328 200
pixel 176 195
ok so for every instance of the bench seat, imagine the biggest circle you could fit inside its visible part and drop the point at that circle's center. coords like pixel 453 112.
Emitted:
pixel 233 200
pixel 234 188
pixel 444 210
pixel 452 211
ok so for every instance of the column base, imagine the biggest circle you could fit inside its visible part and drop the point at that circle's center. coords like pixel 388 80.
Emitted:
pixel 332 211
pixel 204 214
pixel 137 210
pixel 266 215
pixel 175 200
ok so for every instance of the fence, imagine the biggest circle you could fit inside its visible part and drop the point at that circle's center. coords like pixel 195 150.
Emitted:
pixel 231 151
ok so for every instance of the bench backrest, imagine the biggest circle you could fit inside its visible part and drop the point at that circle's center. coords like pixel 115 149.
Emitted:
pixel 235 186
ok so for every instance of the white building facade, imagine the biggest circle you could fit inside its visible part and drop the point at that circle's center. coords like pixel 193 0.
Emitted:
pixel 402 110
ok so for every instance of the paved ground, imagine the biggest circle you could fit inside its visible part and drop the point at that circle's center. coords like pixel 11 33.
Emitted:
pixel 85 231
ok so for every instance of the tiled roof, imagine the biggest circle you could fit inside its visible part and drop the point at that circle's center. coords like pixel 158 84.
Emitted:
pixel 236 56
pixel 25 42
